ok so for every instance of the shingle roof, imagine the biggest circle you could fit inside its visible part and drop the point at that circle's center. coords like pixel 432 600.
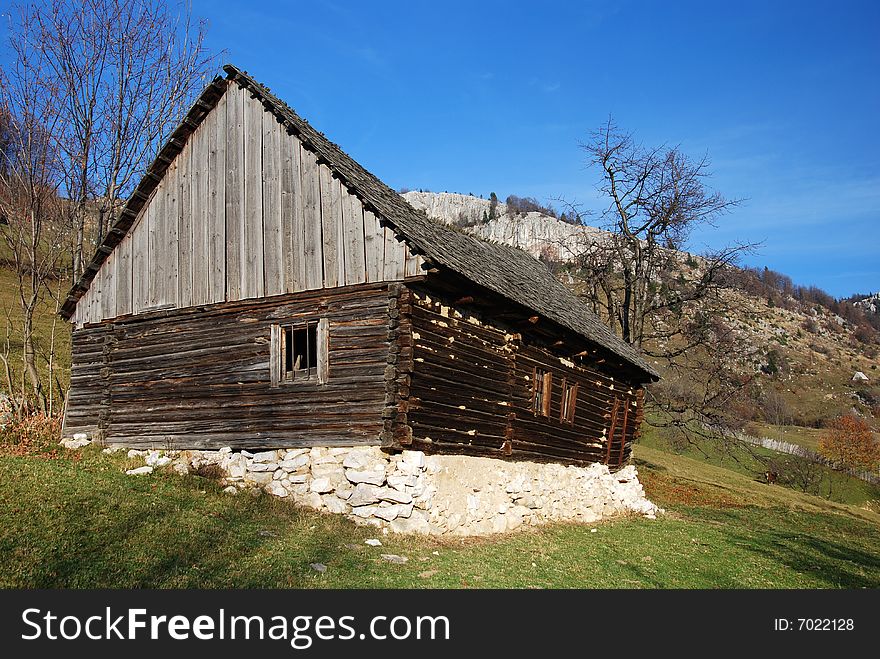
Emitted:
pixel 507 271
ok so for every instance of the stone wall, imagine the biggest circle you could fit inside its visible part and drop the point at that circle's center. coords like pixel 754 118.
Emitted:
pixel 414 493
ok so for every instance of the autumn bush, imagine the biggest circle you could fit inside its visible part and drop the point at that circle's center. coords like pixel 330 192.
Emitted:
pixel 848 441
pixel 34 434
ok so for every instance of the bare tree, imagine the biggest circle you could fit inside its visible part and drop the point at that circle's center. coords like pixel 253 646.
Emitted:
pixel 92 90
pixel 121 74
pixel 29 178
pixel 653 294
pixel 656 198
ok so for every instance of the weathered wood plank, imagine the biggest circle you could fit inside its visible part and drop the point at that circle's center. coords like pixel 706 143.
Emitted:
pixel 276 359
pixel 395 257
pixel 140 261
pixel 413 266
pixel 217 204
pixel 157 261
pixel 273 237
pixel 312 245
pixel 123 277
pixel 234 191
pixel 253 284
pixel 331 225
pixel 184 227
pixel 292 222
pixel 353 236
pixel 108 287
pixel 374 246
pixel 171 189
pixel 201 211
pixel 324 352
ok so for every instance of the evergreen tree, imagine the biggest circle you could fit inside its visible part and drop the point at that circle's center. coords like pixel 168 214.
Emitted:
pixel 493 205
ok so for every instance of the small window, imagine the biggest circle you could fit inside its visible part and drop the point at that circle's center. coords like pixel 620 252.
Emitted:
pixel 569 402
pixel 541 392
pixel 299 352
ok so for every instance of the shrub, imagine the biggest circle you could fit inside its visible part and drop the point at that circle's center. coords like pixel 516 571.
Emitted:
pixel 34 434
pixel 796 472
pixel 849 442
pixel 810 325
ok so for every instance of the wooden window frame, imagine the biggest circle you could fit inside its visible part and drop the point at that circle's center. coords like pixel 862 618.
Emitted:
pixel 568 407
pixel 544 391
pixel 281 341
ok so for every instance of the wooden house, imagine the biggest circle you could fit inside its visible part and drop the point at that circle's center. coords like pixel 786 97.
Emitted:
pixel 262 290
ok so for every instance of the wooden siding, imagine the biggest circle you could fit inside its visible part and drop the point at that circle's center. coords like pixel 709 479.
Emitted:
pixel 471 390
pixel 244 211
pixel 202 378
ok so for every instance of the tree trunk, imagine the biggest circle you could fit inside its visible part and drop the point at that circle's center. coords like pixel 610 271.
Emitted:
pixel 30 358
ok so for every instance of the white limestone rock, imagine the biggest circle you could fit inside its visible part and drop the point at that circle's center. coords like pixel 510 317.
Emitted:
pixel 236 466
pixel 414 459
pixel 373 476
pixel 74 444
pixel 401 481
pixel 393 511
pixel 417 522
pixel 313 500
pixel 334 504
pixel 295 462
pixel 363 511
pixel 261 478
pixel 156 459
pixel 140 471
pixel 392 495
pixel 321 485
pixel 363 494
pixel 357 460
pixel 277 489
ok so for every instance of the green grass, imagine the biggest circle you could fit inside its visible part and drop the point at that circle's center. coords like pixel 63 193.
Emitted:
pixel 806 437
pixel 749 461
pixel 81 523
pixel 11 315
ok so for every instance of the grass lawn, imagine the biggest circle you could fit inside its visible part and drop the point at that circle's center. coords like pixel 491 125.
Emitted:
pixel 749 461
pixel 44 320
pixel 806 437
pixel 78 521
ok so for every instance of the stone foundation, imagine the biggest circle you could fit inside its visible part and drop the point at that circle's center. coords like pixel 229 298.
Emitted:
pixel 414 493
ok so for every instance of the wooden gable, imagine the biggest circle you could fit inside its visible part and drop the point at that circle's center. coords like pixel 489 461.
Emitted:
pixel 244 211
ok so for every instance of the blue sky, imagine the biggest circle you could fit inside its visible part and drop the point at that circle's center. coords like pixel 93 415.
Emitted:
pixel 495 96
pixel 476 97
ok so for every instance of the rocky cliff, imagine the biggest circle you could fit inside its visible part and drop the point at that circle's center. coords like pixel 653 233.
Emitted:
pixel 535 232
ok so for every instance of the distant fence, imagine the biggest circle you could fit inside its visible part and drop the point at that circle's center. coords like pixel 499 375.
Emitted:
pixel 804 452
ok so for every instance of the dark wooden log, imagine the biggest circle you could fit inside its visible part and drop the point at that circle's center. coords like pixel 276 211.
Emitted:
pixel 199 378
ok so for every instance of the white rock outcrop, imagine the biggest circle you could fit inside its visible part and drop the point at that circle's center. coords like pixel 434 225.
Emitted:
pixel 534 232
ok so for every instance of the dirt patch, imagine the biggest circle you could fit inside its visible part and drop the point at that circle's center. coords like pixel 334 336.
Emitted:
pixel 666 490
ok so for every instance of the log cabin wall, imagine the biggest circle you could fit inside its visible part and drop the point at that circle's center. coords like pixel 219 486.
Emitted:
pixel 472 391
pixel 201 378
pixel 243 211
